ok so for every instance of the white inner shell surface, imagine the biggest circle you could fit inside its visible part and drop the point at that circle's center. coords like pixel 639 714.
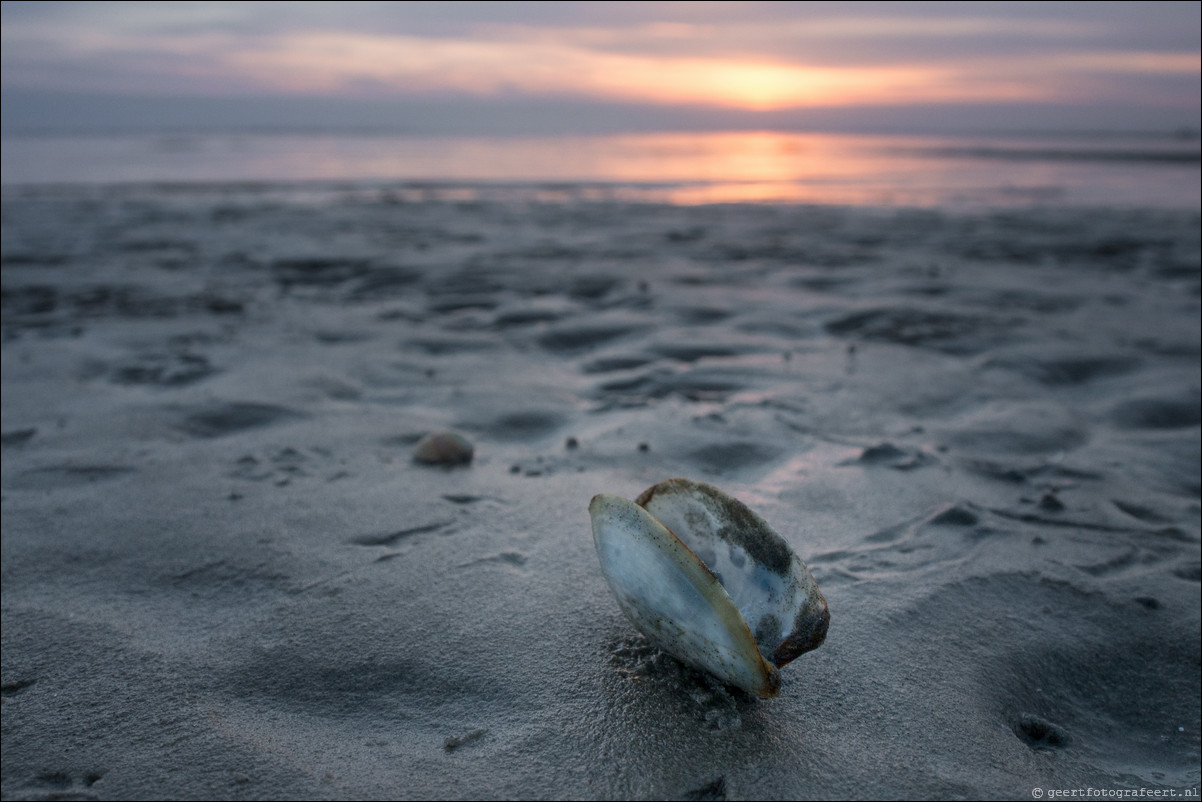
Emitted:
pixel 770 585
pixel 673 599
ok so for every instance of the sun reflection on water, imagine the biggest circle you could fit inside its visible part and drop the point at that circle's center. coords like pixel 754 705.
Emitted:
pixel 679 168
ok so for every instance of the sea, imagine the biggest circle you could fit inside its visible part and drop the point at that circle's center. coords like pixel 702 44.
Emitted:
pixel 1158 171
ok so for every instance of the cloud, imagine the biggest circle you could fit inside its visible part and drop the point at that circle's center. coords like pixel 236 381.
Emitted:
pixel 735 55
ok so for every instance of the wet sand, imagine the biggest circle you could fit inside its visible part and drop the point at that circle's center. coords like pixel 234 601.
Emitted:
pixel 225 577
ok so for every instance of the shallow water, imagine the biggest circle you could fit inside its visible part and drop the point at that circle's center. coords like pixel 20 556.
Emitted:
pixel 683 168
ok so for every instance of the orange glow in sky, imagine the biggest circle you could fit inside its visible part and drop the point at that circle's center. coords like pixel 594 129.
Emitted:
pixel 320 62
pixel 755 57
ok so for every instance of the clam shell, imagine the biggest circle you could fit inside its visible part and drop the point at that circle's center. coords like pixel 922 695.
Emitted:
pixel 709 582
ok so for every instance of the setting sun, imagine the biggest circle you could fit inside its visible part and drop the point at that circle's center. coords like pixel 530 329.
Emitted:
pixel 759 86
pixel 304 63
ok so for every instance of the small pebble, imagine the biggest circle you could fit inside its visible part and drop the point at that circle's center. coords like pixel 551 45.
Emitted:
pixel 444 448
pixel 644 447
pixel 571 442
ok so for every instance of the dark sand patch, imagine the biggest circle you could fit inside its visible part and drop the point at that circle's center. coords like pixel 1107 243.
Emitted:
pixel 693 384
pixel 945 331
pixel 380 283
pixel 573 337
pixel 525 317
pixel 335 388
pixel 1039 733
pixel 709 792
pixel 17 437
pixel 164 370
pixel 616 362
pixel 447 345
pixel 520 425
pixel 693 351
pixel 891 456
pixel 955 515
pixel 733 456
pixel 511 559
pixel 39 304
pixel 341 337
pixel 221 419
pixel 1141 512
pixel 1158 413
pixel 446 304
pixel 701 315
pixel 392 538
pixel 462 498
pixel 318 271
pixel 56 476
pixel 593 287
pixel 1066 371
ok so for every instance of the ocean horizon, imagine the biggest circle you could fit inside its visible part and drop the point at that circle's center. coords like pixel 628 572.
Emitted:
pixel 1074 169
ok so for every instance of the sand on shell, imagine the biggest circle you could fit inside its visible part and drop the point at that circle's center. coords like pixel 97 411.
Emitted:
pixel 224 576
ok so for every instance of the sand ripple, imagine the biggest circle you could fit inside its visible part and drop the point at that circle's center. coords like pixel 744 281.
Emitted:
pixel 224 576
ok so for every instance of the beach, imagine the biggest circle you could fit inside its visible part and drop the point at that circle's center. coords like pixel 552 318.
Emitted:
pixel 225 577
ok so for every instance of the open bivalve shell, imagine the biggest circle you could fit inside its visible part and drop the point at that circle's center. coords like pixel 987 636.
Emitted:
pixel 709 582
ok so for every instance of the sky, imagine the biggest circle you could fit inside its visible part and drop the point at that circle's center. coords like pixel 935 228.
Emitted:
pixel 546 67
